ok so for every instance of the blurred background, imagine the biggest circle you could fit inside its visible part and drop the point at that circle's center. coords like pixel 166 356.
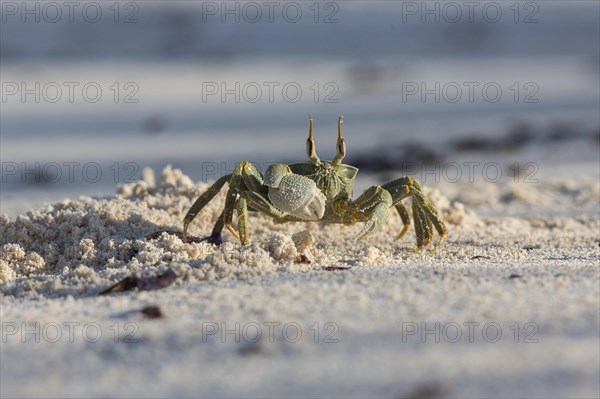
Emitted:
pixel 93 92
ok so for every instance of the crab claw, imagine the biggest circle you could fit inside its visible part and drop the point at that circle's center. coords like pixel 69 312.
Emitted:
pixel 298 196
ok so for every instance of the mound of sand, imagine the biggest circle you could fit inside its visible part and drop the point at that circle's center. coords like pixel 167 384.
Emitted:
pixel 78 246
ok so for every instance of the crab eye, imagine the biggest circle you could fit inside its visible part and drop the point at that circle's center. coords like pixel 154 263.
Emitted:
pixel 341 144
pixel 341 148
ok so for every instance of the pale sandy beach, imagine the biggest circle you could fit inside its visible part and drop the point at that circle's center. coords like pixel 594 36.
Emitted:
pixel 115 116
pixel 507 308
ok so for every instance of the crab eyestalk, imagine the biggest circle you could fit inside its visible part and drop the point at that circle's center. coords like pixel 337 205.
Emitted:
pixel 310 144
pixel 341 144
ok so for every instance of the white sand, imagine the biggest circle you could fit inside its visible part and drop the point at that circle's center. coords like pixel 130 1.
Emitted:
pixel 531 256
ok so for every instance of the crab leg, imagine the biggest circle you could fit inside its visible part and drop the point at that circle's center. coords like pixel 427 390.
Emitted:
pixel 418 228
pixel 403 212
pixel 378 218
pixel 244 177
pixel 245 181
pixel 425 215
pixel 423 227
pixel 215 236
pixel 369 198
pixel 230 201
pixel 242 214
pixel 262 204
pixel 201 202
pixel 373 206
pixel 433 218
pixel 258 202
pixel 252 178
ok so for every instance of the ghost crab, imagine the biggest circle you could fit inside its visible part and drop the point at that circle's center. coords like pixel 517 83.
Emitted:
pixel 317 191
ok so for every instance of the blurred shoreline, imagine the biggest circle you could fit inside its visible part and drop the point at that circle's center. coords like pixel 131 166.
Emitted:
pixel 178 86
